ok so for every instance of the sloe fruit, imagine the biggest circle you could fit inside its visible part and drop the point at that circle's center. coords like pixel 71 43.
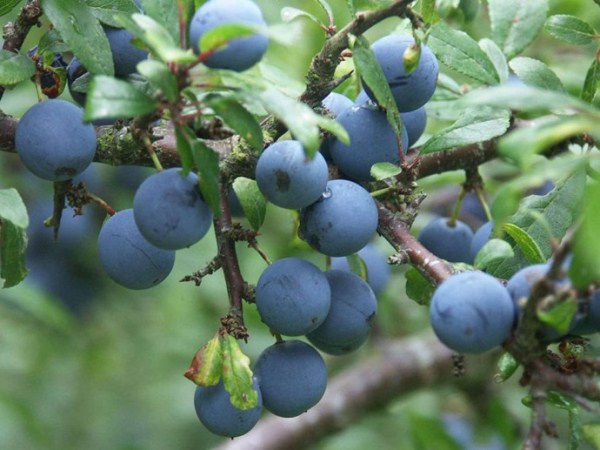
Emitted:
pixel 169 210
pixel 293 296
pixel 378 270
pixel 342 221
pixel 471 312
pixel 53 142
pixel 480 238
pixel 353 308
pixel 125 55
pixel 292 377
pixel 241 53
pixel 452 243
pixel 127 257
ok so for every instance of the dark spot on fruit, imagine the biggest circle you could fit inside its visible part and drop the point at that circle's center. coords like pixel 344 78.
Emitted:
pixel 283 180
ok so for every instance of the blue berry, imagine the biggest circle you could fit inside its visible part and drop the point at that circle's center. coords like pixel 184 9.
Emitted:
pixel 336 104
pixel 128 258
pixel 342 221
pixel 125 55
pixel 471 312
pixel 415 123
pixel 480 238
pixel 169 210
pixel 293 296
pixel 452 243
pixel 292 378
pixel 378 270
pixel 353 308
pixel 287 178
pixel 53 142
pixel 241 53
pixel 215 411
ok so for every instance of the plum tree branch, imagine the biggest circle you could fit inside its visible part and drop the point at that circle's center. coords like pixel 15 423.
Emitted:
pixel 397 368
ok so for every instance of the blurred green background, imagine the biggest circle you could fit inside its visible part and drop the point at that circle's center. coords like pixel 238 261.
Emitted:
pixel 85 363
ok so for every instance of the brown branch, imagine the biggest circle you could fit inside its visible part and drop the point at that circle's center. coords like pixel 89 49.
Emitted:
pixel 399 367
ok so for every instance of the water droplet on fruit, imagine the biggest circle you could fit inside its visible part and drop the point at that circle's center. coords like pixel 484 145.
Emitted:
pixel 327 193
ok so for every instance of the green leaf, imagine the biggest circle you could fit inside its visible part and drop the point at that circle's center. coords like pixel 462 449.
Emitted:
pixel 220 36
pixel 592 79
pixel 237 376
pixel 418 288
pixel 326 8
pixel 105 10
pixel 160 77
pixel 164 12
pixel 474 125
pixel 507 366
pixel 497 58
pixel 591 432
pixel 561 316
pixel 207 163
pixel 253 202
pixel 516 23
pixel 544 218
pixel 430 433
pixel 535 73
pixel 428 11
pixel 562 401
pixel 185 137
pixel 469 9
pixel 383 170
pixel 370 71
pixel 15 68
pixel 157 38
pixel 207 366
pixel 7 6
pixel 493 251
pixel 13 239
pixel 585 266
pixel 531 250
pixel 109 97
pixel 82 31
pixel 289 13
pixel 526 99
pixel 459 52
pixel 357 266
pixel 522 145
pixel 570 29
pixel 351 7
pixel 238 118
pixel 51 42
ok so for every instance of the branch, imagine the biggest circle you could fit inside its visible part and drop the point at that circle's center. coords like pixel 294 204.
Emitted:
pixel 400 367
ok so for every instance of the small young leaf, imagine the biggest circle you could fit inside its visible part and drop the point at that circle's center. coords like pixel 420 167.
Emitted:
pixel 207 366
pixel 14 68
pixel 7 6
pixel 111 98
pixel 326 8
pixel 516 23
pixel 496 57
pixel 507 366
pixel 562 401
pixel 418 288
pixel 81 31
pixel 207 162
pixel 253 202
pixel 560 316
pixel 383 170
pixel 458 51
pixel 591 432
pixel 535 73
pixel 592 80
pixel 289 13
pixel 570 29
pixel 474 125
pixel 166 13
pixel 493 250
pixel 159 76
pixel 525 242
pixel 13 239
pixel 237 376
pixel 238 118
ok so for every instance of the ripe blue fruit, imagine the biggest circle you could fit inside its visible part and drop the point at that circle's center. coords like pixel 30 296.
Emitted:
pixel 53 142
pixel 76 70
pixel 452 243
pixel 411 91
pixel 336 104
pixel 342 221
pixel 471 312
pixel 372 140
pixel 378 270
pixel 287 178
pixel 127 257
pixel 292 377
pixel 292 296
pixel 480 238
pixel 215 411
pixel 415 123
pixel 353 308
pixel 125 55
pixel 241 53
pixel 588 318
pixel 169 210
